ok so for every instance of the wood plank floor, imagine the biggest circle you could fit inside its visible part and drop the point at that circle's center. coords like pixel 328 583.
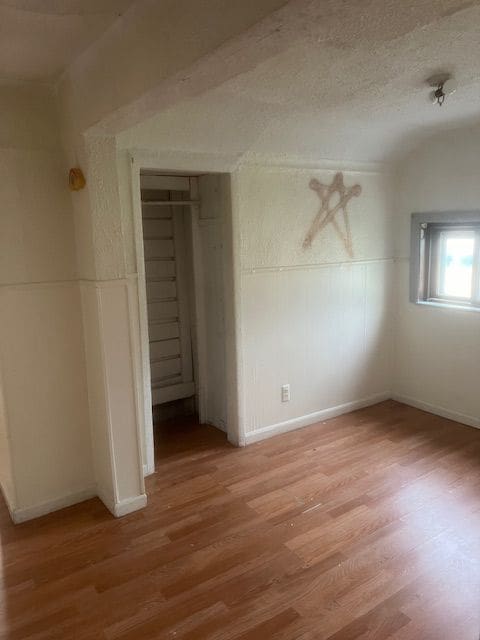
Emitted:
pixel 364 527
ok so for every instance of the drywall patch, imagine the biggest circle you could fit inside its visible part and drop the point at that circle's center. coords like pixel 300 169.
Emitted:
pixel 328 210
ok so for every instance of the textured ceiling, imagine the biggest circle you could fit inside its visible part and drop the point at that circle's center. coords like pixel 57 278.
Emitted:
pixel 348 83
pixel 39 38
pixel 331 79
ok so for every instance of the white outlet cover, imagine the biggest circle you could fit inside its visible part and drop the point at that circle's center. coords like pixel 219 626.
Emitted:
pixel 285 393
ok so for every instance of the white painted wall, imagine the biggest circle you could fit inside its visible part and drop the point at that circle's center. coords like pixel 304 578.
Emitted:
pixel 66 309
pixel 111 325
pixel 314 319
pixel 285 305
pixel 41 349
pixel 45 408
pixel 216 260
pixel 437 351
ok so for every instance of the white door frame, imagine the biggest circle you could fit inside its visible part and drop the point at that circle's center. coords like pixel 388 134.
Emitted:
pixel 199 308
pixel 165 164
pixel 145 392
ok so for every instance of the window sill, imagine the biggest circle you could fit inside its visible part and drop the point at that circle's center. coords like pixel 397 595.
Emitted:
pixel 447 305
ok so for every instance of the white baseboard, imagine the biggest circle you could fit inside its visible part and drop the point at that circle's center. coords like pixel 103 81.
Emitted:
pixel 312 418
pixel 118 509
pixel 236 440
pixel 129 505
pixel 470 421
pixel 147 471
pixel 123 507
pixel 35 511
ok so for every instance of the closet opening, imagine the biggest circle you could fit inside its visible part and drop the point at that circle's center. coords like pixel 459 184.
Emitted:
pixel 183 281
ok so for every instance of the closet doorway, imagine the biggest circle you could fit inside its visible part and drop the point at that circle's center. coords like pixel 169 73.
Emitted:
pixel 183 280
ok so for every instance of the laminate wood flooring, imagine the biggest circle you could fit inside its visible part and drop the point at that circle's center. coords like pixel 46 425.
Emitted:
pixel 365 527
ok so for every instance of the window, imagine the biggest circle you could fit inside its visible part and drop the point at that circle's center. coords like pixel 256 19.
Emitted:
pixel 445 260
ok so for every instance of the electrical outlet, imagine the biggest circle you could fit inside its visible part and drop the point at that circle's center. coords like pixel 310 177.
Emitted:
pixel 285 393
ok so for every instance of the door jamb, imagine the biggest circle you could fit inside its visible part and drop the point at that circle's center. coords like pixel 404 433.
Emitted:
pixel 199 301
pixel 148 453
pixel 188 163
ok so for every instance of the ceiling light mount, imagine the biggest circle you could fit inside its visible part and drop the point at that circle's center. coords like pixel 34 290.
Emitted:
pixel 443 85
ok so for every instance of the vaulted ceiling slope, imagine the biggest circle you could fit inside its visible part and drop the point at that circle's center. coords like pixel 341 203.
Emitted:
pixel 40 38
pixel 305 78
pixel 345 80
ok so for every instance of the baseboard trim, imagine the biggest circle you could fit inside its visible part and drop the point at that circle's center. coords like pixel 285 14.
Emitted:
pixel 124 507
pixel 35 511
pixel 312 418
pixel 129 505
pixel 118 509
pixel 147 470
pixel 463 418
pixel 236 440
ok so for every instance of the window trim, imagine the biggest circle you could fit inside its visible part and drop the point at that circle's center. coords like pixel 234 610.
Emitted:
pixel 421 287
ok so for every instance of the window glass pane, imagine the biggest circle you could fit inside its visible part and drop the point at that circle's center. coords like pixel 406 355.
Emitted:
pixel 456 262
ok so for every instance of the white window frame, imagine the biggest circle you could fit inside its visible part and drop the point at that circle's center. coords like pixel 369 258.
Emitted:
pixel 426 237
